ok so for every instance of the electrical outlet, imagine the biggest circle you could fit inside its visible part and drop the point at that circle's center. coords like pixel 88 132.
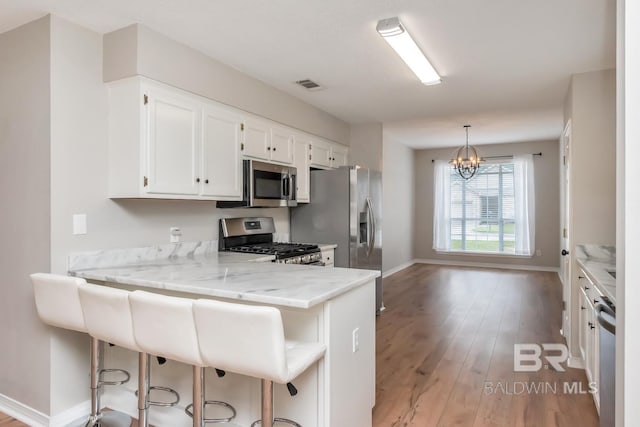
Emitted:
pixel 79 224
pixel 174 234
pixel 538 252
pixel 356 339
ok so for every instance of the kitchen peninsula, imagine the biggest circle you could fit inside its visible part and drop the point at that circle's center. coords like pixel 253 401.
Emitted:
pixel 334 306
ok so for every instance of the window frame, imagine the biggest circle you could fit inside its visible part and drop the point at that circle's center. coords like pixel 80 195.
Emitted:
pixel 500 219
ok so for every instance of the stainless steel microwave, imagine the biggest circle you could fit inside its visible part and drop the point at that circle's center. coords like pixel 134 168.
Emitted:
pixel 265 185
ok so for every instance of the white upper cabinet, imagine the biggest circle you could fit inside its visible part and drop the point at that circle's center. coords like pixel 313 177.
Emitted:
pixel 268 141
pixel 171 144
pixel 302 162
pixel 327 155
pixel 257 139
pixel 320 154
pixel 221 163
pixel 339 155
pixel 168 143
pixel 281 145
pixel 172 135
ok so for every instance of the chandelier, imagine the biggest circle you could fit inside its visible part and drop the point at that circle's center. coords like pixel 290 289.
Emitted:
pixel 466 161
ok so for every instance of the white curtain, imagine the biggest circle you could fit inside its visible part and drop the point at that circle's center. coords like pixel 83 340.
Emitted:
pixel 524 204
pixel 442 206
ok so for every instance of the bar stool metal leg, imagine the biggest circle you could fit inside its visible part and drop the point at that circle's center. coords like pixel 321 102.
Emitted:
pixel 267 408
pixel 198 398
pixel 143 389
pixel 267 403
pixel 97 418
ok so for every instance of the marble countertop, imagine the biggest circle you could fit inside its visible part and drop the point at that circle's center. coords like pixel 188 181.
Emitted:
pixel 597 261
pixel 197 268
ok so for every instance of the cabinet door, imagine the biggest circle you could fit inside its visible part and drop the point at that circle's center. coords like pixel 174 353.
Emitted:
pixel 256 139
pixel 589 343
pixel 338 156
pixel 320 154
pixel 281 145
pixel 221 162
pixel 582 322
pixel 301 162
pixel 172 143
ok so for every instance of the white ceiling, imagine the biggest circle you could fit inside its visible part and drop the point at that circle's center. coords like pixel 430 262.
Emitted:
pixel 505 64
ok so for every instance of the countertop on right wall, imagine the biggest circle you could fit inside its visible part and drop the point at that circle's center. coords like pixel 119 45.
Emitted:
pixel 598 261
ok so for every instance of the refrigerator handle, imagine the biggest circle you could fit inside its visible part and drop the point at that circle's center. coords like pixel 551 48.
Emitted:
pixel 375 225
pixel 372 225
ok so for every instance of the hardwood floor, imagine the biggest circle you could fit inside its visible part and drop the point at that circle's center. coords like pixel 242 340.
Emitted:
pixel 445 345
pixel 445 351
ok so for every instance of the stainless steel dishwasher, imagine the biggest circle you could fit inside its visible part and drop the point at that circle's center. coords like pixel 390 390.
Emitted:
pixel 606 315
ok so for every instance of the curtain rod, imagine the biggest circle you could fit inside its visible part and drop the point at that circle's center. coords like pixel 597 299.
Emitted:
pixel 500 157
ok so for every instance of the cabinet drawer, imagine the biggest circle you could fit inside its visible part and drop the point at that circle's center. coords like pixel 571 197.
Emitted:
pixel 592 293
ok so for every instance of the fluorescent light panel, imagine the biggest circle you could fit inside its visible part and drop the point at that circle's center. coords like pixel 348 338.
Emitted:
pixel 400 40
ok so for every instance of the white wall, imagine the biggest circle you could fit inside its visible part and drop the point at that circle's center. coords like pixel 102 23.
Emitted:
pixel 24 211
pixel 398 182
pixel 591 106
pixel 139 50
pixel 366 146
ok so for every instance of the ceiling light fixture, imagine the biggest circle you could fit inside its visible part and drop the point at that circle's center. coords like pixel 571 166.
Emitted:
pixel 394 33
pixel 466 161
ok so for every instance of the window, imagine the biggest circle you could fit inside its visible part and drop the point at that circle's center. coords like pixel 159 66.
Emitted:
pixel 490 213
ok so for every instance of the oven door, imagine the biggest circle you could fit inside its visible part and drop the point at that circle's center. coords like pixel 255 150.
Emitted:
pixel 271 185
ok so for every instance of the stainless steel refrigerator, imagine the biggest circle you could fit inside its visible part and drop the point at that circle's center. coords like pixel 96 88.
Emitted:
pixel 345 209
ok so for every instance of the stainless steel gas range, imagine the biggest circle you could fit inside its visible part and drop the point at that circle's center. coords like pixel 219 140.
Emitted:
pixel 255 236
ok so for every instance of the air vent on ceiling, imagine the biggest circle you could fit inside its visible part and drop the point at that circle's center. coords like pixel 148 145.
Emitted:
pixel 309 84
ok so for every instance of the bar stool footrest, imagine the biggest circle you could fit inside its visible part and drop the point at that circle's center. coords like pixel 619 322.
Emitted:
pixel 189 411
pixel 278 420
pixel 163 404
pixel 101 380
pixel 109 419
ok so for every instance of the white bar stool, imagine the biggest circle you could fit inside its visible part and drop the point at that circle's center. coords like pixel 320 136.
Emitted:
pixel 107 316
pixel 58 304
pixel 164 326
pixel 249 340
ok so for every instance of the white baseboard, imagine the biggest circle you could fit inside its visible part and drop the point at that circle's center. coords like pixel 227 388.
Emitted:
pixel 78 412
pixel 486 265
pixel 22 412
pixel 35 418
pixel 401 267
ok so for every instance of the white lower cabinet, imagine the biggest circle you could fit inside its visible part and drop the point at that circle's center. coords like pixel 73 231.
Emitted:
pixel 588 337
pixel 168 143
pixel 328 257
